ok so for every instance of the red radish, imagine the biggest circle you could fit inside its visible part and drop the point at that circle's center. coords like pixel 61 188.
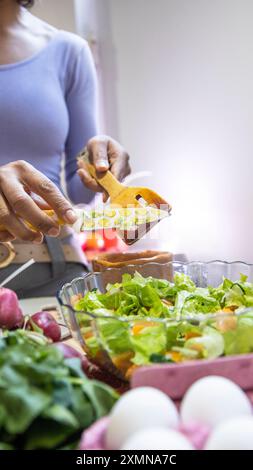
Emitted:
pixel 46 322
pixel 92 371
pixel 69 352
pixel 10 313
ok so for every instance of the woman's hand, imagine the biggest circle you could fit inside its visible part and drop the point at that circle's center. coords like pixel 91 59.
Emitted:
pixel 105 154
pixel 21 189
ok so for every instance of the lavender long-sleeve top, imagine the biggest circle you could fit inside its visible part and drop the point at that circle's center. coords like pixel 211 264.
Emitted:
pixel 48 108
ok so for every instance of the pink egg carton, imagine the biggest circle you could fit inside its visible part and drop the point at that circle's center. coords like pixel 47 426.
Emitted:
pixel 93 438
pixel 175 379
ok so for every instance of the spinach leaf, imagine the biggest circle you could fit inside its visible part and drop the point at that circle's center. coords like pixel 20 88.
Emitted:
pixel 45 401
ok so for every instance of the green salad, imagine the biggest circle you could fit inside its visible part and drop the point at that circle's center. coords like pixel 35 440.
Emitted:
pixel 145 320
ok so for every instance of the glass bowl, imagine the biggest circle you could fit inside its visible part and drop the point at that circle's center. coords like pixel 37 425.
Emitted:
pixel 89 329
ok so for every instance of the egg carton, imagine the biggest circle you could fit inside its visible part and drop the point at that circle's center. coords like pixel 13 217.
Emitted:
pixel 175 379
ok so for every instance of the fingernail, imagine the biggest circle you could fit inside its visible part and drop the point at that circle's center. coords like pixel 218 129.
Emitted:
pixel 9 239
pixel 70 216
pixel 53 232
pixel 37 242
pixel 102 164
pixel 38 239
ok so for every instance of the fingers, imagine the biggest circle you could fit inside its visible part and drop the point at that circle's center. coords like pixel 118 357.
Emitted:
pixel 12 227
pixel 105 153
pixel 23 205
pixel 86 177
pixel 97 148
pixel 18 181
pixel 6 236
pixel 41 203
pixel 105 196
pixel 88 180
pixel 119 160
pixel 120 167
pixel 47 190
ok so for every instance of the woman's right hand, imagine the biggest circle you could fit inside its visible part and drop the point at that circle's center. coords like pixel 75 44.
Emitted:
pixel 19 182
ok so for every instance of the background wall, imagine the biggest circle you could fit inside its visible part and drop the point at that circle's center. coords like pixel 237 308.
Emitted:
pixel 178 92
pixel 185 111
pixel 60 13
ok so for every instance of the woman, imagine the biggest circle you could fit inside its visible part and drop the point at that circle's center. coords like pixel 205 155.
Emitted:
pixel 48 101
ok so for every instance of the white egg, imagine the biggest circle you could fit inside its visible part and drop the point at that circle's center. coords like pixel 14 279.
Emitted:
pixel 235 434
pixel 157 439
pixel 212 400
pixel 140 408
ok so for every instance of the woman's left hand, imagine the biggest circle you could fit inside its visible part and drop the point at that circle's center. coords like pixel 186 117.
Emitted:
pixel 105 154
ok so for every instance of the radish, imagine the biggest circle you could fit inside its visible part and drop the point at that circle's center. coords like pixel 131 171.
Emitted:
pixel 69 352
pixel 46 322
pixel 11 315
pixel 92 371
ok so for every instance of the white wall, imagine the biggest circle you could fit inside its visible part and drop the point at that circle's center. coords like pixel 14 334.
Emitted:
pixel 59 13
pixel 93 22
pixel 178 92
pixel 184 86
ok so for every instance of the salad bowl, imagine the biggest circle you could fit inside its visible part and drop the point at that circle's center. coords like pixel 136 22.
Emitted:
pixel 208 324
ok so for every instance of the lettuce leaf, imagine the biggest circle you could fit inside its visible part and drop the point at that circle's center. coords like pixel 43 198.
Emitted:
pixel 200 301
pixel 137 297
pixel 183 282
pixel 240 340
pixel 151 340
pixel 89 302
pixel 209 345
pixel 114 335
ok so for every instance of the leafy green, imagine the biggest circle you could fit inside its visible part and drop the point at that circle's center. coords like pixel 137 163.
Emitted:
pixel 151 340
pixel 89 303
pixel 114 335
pixel 160 358
pixel 240 339
pixel 134 296
pixel 173 310
pixel 183 282
pixel 234 294
pixel 200 301
pixel 209 345
pixel 45 401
